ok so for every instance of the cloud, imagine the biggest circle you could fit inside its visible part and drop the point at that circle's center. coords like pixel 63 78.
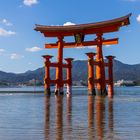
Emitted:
pixel 138 18
pixel 4 32
pixel 6 22
pixel 30 2
pixel 107 46
pixel 29 63
pixel 68 23
pixel 15 56
pixel 91 47
pixel 2 50
pixel 86 47
pixel 33 49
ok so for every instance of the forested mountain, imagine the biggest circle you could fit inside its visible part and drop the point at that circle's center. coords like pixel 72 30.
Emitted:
pixel 121 71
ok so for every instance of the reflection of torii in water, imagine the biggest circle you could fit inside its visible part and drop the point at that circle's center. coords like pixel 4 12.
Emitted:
pixel 79 32
pixel 97 116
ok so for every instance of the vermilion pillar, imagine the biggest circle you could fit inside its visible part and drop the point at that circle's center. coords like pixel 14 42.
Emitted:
pixel 110 75
pixel 69 76
pixel 91 86
pixel 59 69
pixel 47 74
pixel 100 68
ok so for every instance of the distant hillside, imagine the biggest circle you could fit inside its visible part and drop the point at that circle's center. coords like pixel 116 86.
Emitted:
pixel 126 72
pixel 121 71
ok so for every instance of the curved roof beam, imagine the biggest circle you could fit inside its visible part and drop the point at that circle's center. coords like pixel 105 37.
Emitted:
pixel 90 28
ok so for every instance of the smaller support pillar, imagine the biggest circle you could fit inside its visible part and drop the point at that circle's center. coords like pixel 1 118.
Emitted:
pixel 110 76
pixel 91 86
pixel 69 76
pixel 47 74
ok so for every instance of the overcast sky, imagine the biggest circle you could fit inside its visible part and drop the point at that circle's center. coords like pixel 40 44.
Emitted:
pixel 21 47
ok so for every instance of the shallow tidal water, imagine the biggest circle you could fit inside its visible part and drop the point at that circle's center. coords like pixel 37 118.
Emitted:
pixel 35 117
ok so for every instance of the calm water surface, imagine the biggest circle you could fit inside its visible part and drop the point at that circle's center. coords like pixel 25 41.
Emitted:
pixel 36 117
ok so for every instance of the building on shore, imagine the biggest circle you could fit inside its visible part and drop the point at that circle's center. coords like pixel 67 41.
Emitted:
pixel 124 83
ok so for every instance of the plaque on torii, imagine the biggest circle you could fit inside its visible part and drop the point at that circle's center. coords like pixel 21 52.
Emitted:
pixel 79 32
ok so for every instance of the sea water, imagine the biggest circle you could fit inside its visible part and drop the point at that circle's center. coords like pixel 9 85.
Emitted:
pixel 28 116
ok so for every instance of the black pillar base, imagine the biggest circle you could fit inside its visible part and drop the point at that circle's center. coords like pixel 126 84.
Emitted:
pixel 92 92
pixel 47 92
pixel 101 92
pixel 58 92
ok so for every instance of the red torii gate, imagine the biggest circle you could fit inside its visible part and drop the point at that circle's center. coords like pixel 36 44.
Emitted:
pixel 79 32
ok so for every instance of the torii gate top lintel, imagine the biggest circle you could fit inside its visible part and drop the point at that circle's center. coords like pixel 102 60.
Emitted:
pixel 90 28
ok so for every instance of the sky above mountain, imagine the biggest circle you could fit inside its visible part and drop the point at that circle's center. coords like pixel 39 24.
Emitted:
pixel 21 47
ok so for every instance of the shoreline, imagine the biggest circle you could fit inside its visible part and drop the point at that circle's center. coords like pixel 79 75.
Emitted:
pixel 1 92
pixel 42 91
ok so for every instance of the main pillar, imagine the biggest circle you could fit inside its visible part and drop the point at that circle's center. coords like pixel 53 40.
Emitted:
pixel 100 68
pixel 69 76
pixel 91 86
pixel 59 69
pixel 110 76
pixel 47 74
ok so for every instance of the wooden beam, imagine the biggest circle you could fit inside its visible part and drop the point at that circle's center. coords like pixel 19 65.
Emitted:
pixel 83 44
pixel 111 41
pixel 106 64
pixel 55 64
pixel 53 81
